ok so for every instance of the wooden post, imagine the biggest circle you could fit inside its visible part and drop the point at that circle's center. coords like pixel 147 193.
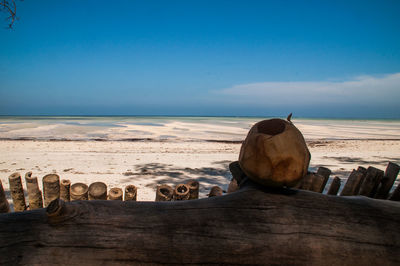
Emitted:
pixel 318 183
pixel 181 192
pixel 353 183
pixel 17 192
pixel 193 189
pixel 313 182
pixel 65 188
pixel 115 194
pixel 335 186
pixel 164 193
pixel 362 170
pixel 34 194
pixel 51 188
pixel 325 172
pixel 237 172
pixel 4 206
pixel 371 181
pixel 392 170
pixel 79 191
pixel 98 191
pixel 130 193
pixel 215 192
pixel 307 181
pixel 396 194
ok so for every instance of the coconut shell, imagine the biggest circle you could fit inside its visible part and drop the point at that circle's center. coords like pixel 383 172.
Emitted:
pixel 274 153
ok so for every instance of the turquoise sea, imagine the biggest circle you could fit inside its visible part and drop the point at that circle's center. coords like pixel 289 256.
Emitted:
pixel 185 128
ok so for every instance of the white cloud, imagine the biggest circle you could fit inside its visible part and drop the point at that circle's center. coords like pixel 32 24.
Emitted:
pixel 362 90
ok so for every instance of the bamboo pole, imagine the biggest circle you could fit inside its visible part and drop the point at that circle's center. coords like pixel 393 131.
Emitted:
pixel 193 189
pixel 65 188
pixel 98 191
pixel 392 170
pixel 371 181
pixel 215 191
pixel 181 192
pixel 17 192
pixel 4 206
pixel 164 193
pixel 130 193
pixel 115 194
pixel 353 183
pixel 34 194
pixel 79 191
pixel 51 188
pixel 335 186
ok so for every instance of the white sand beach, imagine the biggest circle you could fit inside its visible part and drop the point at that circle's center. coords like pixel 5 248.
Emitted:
pixel 172 151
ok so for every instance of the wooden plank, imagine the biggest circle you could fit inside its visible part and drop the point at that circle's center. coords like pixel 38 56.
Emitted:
pixel 353 183
pixel 392 170
pixel 252 226
pixel 371 181
pixel 335 186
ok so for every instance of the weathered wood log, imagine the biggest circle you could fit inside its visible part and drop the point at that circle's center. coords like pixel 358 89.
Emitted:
pixel 396 194
pixel 353 183
pixel 392 170
pixel 97 191
pixel 215 191
pixel 4 206
pixel 79 191
pixel 274 153
pixel 362 170
pixel 335 186
pixel 181 192
pixel 164 193
pixel 371 181
pixel 130 193
pixel 51 188
pixel 325 172
pixel 251 226
pixel 34 194
pixel 115 194
pixel 65 190
pixel 17 192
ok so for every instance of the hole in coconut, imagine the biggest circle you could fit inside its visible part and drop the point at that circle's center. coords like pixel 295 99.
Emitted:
pixel 271 127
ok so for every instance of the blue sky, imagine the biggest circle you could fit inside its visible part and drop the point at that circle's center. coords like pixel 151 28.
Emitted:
pixel 246 58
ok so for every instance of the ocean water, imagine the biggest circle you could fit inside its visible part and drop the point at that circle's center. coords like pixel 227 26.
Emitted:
pixel 159 128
